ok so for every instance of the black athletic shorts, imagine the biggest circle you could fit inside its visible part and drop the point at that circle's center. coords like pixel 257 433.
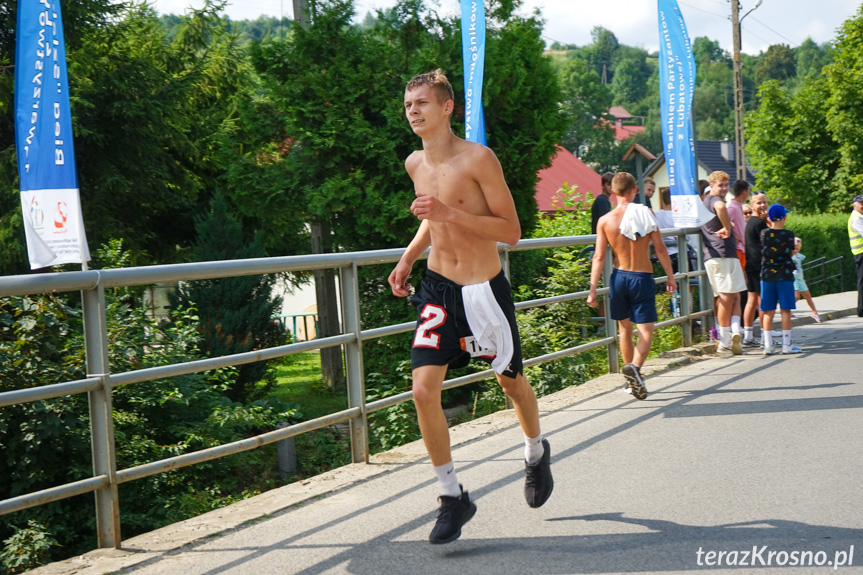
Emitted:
pixel 442 324
pixel 753 280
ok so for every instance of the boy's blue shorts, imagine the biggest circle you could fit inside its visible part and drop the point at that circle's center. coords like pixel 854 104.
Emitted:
pixel 781 291
pixel 633 296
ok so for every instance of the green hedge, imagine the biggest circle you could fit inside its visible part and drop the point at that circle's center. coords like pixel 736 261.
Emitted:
pixel 825 235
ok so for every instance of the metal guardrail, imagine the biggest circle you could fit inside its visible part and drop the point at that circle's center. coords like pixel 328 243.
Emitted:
pixel 821 276
pixel 100 382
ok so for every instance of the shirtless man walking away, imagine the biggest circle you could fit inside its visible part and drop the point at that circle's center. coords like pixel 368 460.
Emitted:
pixel 464 300
pixel 629 229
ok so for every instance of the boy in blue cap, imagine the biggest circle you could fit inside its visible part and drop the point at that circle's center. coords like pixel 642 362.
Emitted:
pixel 777 278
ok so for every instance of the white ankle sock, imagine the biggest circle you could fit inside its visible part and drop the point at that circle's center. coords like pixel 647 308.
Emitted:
pixel 786 337
pixel 533 449
pixel 747 333
pixel 447 479
pixel 735 324
pixel 725 336
pixel 766 338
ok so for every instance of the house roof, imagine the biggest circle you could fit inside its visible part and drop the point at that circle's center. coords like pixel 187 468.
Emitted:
pixel 619 113
pixel 712 155
pixel 565 167
pixel 623 132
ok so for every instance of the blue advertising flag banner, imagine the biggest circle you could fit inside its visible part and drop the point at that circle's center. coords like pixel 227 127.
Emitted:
pixel 473 50
pixel 676 89
pixel 43 132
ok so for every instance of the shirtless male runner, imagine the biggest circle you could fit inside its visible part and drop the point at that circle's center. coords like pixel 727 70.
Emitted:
pixel 465 208
pixel 632 298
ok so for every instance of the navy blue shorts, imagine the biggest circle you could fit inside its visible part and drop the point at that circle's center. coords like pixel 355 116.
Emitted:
pixel 781 291
pixel 442 323
pixel 633 296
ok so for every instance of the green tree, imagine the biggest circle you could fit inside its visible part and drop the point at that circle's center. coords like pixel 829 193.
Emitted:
pixel 600 54
pixel 585 100
pixel 794 155
pixel 630 81
pixel 777 63
pixel 707 51
pixel 810 58
pixel 236 314
pixel 845 107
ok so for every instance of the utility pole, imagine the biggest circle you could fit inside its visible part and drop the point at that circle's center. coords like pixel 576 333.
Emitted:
pixel 332 370
pixel 739 137
pixel 301 12
pixel 739 132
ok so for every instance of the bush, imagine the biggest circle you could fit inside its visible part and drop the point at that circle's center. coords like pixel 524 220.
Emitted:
pixel 825 235
pixel 28 548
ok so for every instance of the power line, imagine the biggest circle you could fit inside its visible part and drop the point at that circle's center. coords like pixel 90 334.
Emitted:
pixel 774 31
pixel 702 10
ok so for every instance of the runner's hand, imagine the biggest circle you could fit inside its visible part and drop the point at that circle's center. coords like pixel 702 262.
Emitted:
pixel 429 208
pixel 398 279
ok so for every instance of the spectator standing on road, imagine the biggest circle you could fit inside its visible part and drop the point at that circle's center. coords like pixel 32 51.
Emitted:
pixel 723 266
pixel 777 278
pixel 740 193
pixel 801 290
pixel 855 234
pixel 757 223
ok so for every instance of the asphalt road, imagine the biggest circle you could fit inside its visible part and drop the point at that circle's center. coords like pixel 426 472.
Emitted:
pixel 726 456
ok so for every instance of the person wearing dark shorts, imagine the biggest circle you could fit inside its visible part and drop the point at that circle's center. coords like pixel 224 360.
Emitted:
pixel 443 335
pixel 630 229
pixel 752 271
pixel 777 279
pixel 465 209
pixel 633 296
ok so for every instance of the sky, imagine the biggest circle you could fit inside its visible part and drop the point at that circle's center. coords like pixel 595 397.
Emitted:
pixel 634 22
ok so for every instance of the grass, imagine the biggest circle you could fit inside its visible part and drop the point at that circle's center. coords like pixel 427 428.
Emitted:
pixel 298 379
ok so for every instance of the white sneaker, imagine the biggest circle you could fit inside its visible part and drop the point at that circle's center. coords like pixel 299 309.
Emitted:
pixel 736 348
pixel 791 349
pixel 769 350
pixel 776 333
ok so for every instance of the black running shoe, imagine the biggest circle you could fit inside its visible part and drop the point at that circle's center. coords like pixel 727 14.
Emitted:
pixel 538 482
pixel 453 513
pixel 636 382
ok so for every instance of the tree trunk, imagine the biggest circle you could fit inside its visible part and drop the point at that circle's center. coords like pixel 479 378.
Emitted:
pixel 332 369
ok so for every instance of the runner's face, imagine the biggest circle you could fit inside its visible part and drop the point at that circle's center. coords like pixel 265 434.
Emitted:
pixel 424 110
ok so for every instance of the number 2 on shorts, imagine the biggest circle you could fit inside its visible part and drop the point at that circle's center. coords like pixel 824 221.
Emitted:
pixel 434 316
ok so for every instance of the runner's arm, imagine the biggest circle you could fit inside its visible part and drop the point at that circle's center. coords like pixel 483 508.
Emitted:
pixel 598 262
pixel 399 276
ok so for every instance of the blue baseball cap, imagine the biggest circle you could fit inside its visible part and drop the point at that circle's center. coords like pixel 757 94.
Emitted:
pixel 776 212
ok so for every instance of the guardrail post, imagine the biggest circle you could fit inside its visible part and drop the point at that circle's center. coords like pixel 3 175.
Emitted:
pixel 101 417
pixel 610 324
pixel 683 289
pixel 705 293
pixel 354 363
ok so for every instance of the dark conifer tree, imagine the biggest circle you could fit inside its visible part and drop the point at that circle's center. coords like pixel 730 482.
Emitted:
pixel 236 314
